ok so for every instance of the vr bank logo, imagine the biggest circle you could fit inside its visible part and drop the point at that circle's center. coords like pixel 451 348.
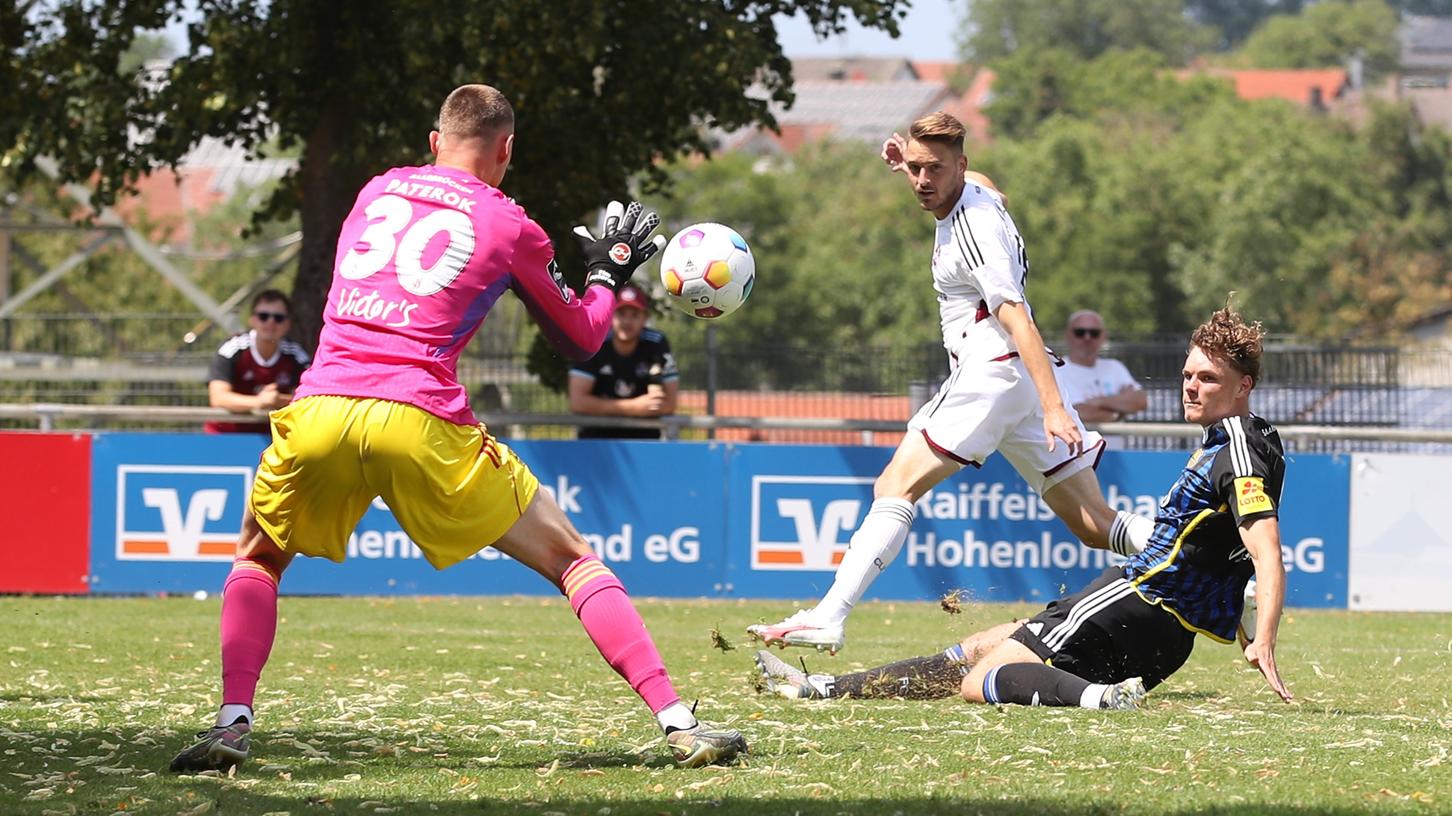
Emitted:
pixel 179 513
pixel 805 522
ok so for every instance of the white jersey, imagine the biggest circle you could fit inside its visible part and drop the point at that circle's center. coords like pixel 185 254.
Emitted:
pixel 1080 383
pixel 978 264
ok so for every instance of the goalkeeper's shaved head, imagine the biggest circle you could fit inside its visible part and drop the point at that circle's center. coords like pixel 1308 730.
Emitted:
pixel 476 112
pixel 476 133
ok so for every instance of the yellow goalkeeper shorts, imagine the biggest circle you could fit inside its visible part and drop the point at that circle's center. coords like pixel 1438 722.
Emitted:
pixel 453 488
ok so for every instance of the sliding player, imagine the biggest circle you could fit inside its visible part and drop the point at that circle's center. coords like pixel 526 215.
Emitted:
pixel 1135 625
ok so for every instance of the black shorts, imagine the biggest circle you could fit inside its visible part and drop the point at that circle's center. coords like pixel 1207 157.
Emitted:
pixel 1108 632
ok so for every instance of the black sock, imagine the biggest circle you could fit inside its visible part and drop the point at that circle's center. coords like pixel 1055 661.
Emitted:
pixel 1034 684
pixel 919 678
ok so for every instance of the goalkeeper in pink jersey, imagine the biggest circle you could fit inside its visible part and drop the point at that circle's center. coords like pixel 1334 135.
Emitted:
pixel 422 257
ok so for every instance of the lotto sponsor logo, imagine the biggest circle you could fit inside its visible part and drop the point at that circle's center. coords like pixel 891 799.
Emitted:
pixel 179 513
pixel 805 522
pixel 1250 495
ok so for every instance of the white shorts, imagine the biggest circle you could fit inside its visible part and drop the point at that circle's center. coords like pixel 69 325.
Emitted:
pixel 994 406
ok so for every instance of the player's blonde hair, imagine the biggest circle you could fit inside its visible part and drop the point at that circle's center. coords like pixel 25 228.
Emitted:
pixel 939 127
pixel 475 111
pixel 1226 335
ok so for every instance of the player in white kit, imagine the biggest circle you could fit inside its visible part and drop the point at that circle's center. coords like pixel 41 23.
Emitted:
pixel 1001 394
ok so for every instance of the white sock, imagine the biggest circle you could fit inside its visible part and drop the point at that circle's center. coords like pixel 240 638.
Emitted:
pixel 229 713
pixel 676 715
pixel 1130 533
pixel 875 544
pixel 1093 696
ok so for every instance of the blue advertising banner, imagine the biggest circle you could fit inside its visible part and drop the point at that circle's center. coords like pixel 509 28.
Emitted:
pixel 983 531
pixel 682 520
pixel 169 507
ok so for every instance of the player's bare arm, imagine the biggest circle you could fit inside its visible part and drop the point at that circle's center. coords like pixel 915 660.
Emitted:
pixel 1095 410
pixel 1128 400
pixel 1112 407
pixel 583 402
pixel 1262 539
pixel 1030 344
pixel 221 395
pixel 669 393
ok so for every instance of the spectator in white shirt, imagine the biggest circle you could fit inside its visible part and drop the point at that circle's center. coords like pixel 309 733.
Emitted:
pixel 1101 390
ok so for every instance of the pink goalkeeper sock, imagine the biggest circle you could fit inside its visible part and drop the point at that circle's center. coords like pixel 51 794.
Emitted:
pixel 610 620
pixel 249 624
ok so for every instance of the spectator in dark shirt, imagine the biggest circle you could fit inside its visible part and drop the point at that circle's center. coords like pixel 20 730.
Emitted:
pixel 633 375
pixel 258 369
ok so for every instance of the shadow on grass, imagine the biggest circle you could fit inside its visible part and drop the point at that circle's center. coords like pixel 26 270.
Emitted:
pixel 1185 696
pixel 238 801
pixel 21 697
pixel 297 755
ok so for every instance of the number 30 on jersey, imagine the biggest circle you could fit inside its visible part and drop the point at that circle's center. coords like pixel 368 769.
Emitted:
pixel 390 215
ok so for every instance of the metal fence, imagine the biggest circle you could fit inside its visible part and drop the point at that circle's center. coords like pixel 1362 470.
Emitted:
pixel 144 360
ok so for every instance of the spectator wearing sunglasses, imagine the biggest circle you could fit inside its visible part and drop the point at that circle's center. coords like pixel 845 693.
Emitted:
pixel 1100 389
pixel 258 369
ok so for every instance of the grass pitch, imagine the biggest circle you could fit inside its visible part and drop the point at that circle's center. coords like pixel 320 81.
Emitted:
pixel 480 706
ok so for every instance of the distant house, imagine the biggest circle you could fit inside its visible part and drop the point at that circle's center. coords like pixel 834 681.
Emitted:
pixel 864 100
pixel 211 173
pixel 1426 59
pixel 1423 79
pixel 853 69
pixel 1425 75
pixel 970 104
pixel 1318 89
pixel 860 111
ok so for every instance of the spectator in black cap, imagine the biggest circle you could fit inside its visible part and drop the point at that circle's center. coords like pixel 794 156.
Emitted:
pixel 633 375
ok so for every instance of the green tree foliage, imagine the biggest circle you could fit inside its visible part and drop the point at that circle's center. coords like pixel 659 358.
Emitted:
pixel 994 29
pixel 1148 203
pixel 1235 19
pixel 1148 197
pixel 1033 86
pixel 602 90
pixel 1327 34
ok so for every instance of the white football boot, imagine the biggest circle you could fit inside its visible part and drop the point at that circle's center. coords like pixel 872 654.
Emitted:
pixel 800 630
pixel 1245 631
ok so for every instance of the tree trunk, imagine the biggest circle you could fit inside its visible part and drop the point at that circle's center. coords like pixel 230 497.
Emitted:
pixel 328 189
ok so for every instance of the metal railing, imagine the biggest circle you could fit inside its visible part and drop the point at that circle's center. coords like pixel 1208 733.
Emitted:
pixel 46 416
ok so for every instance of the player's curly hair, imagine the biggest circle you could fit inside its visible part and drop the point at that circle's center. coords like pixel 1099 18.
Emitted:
pixel 939 127
pixel 475 111
pixel 1228 336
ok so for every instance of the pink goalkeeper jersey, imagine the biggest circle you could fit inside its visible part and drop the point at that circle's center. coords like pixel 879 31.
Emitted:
pixel 421 259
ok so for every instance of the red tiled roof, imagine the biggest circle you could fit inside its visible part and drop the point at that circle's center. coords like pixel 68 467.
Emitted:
pixel 1293 85
pixel 968 107
pixel 934 70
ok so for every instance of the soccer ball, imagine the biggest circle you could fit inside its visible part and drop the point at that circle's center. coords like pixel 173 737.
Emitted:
pixel 707 271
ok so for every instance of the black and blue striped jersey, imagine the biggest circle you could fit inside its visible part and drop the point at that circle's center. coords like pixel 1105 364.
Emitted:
pixel 1195 565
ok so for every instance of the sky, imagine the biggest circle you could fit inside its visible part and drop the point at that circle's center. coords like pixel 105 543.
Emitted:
pixel 927 33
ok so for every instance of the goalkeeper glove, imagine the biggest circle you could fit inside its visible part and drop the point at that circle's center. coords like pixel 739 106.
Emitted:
pixel 624 244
